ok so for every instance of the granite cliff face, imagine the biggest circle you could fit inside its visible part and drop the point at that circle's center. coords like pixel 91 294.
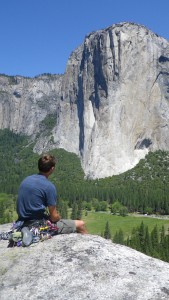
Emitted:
pixel 26 102
pixel 79 267
pixel 111 105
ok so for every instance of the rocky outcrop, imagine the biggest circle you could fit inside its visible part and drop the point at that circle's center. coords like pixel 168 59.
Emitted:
pixel 111 105
pixel 78 267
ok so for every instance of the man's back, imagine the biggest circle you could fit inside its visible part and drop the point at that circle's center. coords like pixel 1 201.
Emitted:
pixel 36 193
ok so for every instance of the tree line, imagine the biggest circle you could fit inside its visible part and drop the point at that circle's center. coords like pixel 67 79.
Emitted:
pixel 154 243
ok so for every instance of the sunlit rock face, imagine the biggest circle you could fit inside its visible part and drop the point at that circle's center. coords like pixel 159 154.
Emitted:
pixel 111 106
pixel 118 85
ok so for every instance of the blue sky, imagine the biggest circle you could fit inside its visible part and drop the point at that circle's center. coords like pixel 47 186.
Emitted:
pixel 38 36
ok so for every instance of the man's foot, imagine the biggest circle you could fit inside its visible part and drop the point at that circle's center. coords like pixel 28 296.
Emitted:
pixel 80 226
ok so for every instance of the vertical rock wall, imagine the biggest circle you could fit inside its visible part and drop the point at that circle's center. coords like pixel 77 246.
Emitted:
pixel 117 85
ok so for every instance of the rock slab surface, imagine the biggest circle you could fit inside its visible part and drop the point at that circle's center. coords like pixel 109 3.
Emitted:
pixel 79 267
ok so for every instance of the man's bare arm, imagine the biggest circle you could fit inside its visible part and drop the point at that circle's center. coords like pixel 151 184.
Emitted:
pixel 54 215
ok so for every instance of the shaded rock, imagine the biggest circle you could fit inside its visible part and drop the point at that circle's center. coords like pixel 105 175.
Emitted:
pixel 81 267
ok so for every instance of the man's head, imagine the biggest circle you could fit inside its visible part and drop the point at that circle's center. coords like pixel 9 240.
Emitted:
pixel 46 163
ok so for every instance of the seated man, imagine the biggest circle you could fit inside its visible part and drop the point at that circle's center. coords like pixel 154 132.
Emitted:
pixel 36 193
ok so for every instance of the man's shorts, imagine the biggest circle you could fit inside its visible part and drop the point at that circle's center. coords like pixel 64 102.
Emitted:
pixel 66 226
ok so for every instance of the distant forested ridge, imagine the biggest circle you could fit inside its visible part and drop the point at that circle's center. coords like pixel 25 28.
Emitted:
pixel 144 188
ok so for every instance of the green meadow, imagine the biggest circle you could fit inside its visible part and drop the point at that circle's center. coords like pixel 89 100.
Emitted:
pixel 96 222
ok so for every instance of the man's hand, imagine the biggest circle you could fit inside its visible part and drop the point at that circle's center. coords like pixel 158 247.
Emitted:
pixel 54 215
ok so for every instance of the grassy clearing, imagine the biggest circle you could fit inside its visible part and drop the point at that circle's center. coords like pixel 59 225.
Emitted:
pixel 96 222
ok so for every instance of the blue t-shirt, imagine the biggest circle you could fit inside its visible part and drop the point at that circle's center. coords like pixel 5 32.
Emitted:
pixel 35 193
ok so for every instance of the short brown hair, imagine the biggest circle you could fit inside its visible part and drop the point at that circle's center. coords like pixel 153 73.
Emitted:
pixel 46 162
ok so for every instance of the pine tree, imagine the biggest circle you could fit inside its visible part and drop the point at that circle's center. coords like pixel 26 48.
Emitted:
pixel 141 236
pixel 119 237
pixel 166 247
pixel 155 242
pixel 107 233
pixel 162 245
pixel 128 242
pixel 134 241
pixel 79 210
pixel 115 238
pixel 74 211
pixel 147 249
pixel 162 236
pixel 63 209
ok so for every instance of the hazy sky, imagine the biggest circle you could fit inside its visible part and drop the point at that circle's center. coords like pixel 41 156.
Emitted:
pixel 38 36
